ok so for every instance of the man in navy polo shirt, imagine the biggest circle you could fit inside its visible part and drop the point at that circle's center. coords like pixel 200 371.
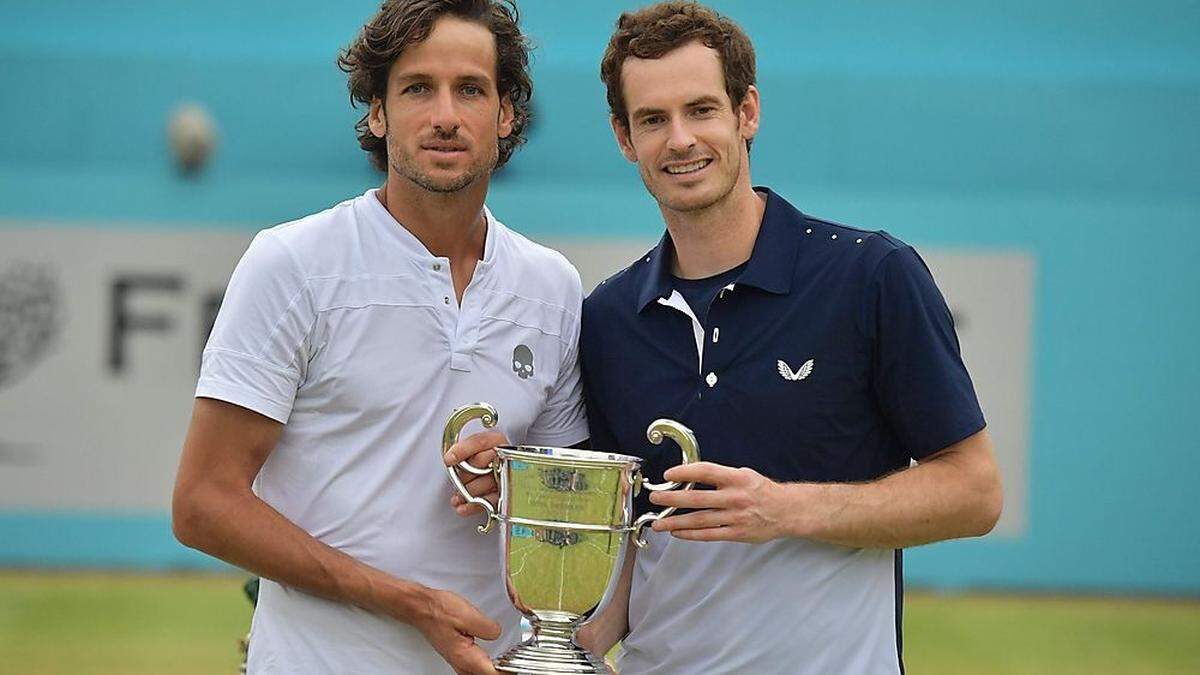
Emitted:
pixel 814 361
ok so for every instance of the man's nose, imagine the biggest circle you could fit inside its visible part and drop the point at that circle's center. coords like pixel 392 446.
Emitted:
pixel 445 116
pixel 681 139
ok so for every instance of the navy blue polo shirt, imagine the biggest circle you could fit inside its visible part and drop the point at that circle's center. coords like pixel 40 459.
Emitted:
pixel 831 357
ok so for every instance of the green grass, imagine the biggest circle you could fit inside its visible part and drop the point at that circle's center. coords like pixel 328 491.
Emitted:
pixel 52 624
pixel 986 635
pixel 88 624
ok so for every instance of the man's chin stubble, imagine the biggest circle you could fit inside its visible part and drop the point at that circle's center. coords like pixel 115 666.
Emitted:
pixel 427 183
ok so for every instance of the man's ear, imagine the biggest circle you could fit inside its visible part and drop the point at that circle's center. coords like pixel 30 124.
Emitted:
pixel 377 118
pixel 621 131
pixel 749 112
pixel 508 116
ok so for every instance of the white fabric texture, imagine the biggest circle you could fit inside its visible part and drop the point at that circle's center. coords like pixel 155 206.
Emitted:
pixel 345 328
pixel 784 607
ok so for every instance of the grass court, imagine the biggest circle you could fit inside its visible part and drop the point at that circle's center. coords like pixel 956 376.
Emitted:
pixel 76 624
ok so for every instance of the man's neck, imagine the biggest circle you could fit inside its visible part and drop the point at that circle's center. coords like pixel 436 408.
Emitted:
pixel 718 238
pixel 449 224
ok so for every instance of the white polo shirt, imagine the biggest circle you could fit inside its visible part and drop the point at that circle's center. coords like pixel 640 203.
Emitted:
pixel 345 328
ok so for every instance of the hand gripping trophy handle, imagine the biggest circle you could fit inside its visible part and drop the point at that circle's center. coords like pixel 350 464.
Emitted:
pixel 691 453
pixel 461 418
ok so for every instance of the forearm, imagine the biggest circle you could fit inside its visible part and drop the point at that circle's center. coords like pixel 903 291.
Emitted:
pixel 242 530
pixel 956 493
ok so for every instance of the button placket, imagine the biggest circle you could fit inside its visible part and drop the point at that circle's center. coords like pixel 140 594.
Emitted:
pixel 465 331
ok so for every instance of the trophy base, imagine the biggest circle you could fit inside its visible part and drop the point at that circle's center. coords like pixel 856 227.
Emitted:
pixel 530 660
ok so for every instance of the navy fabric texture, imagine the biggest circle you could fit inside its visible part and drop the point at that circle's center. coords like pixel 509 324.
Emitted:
pixel 887 381
pixel 700 293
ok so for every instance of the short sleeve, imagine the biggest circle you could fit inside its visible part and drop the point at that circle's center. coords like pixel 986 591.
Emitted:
pixel 563 421
pixel 919 379
pixel 256 355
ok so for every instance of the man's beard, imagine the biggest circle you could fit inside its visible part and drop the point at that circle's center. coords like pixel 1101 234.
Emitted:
pixel 404 165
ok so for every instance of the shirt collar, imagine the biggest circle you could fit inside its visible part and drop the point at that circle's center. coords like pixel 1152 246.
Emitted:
pixel 413 247
pixel 771 265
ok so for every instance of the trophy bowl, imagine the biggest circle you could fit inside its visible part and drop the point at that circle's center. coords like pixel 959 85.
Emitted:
pixel 567 518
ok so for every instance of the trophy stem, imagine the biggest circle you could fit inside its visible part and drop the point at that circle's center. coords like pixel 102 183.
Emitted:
pixel 551 651
pixel 553 634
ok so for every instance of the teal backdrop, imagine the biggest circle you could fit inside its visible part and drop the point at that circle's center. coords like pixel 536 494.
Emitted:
pixel 1067 129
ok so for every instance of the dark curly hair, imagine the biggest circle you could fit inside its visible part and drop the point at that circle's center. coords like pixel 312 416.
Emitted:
pixel 402 23
pixel 652 32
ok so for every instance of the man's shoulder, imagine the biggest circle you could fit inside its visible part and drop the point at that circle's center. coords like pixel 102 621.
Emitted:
pixel 315 232
pixel 531 254
pixel 848 245
pixel 618 291
pixel 539 272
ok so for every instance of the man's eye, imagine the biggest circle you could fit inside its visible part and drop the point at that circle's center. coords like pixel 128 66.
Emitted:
pixel 416 89
pixel 472 90
pixel 705 110
pixel 652 120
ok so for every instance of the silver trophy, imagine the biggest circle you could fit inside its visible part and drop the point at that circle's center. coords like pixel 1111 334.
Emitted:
pixel 567 516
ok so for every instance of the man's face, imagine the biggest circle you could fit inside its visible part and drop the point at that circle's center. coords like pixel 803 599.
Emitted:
pixel 687 139
pixel 443 115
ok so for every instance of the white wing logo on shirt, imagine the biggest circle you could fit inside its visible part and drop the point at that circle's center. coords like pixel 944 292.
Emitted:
pixel 785 371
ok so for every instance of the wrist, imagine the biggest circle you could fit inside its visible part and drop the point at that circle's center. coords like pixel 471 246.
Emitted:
pixel 811 508
pixel 405 601
pixel 413 603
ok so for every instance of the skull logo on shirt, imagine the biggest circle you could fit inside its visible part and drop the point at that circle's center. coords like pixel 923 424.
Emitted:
pixel 522 361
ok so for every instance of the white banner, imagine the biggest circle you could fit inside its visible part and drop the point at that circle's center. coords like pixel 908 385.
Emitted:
pixel 101 333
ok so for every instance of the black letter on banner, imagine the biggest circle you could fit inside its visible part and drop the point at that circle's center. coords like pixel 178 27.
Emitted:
pixel 123 321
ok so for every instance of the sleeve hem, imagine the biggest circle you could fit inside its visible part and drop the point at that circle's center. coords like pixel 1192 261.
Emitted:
pixel 253 402
pixel 958 436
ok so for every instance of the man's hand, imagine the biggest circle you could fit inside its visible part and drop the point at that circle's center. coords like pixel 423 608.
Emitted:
pixel 745 506
pixel 451 625
pixel 478 450
pixel 954 492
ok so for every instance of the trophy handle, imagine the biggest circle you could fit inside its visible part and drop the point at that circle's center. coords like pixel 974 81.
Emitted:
pixel 686 440
pixel 460 418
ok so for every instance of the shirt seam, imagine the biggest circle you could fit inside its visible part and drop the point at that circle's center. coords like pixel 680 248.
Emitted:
pixel 364 305
pixel 282 370
pixel 540 329
pixel 295 299
pixel 551 305
pixel 871 279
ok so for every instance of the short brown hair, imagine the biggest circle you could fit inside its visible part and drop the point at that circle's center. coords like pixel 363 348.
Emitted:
pixel 652 32
pixel 403 23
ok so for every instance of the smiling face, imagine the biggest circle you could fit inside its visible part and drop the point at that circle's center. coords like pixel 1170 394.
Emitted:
pixel 443 115
pixel 687 138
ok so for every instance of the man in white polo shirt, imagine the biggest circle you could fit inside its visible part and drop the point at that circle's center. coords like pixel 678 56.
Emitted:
pixel 345 340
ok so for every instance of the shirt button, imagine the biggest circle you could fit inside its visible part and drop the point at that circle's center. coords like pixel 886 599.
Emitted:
pixel 446 299
pixel 711 379
pixel 437 267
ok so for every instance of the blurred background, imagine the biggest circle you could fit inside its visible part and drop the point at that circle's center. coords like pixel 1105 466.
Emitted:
pixel 1043 156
